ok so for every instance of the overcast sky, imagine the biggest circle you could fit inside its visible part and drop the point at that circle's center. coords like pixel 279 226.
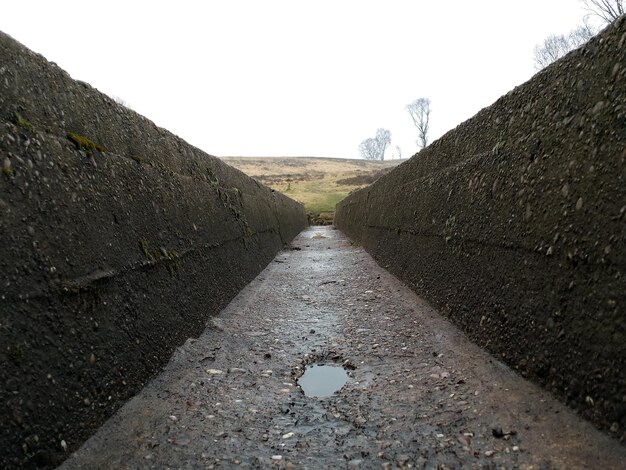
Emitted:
pixel 290 77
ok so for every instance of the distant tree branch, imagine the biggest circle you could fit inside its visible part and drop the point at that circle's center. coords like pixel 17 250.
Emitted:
pixel 607 10
pixel 420 113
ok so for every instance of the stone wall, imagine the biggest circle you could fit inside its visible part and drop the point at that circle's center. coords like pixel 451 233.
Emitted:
pixel 514 226
pixel 119 241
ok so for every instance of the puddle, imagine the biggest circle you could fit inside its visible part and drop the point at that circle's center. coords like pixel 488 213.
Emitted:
pixel 322 380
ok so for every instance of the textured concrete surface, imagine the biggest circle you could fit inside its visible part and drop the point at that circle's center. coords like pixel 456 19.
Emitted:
pixel 514 226
pixel 119 241
pixel 419 394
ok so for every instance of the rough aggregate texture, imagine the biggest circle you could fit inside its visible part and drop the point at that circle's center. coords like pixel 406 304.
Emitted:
pixel 119 241
pixel 514 226
pixel 419 393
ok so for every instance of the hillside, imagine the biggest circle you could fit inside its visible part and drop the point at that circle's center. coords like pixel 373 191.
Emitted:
pixel 319 183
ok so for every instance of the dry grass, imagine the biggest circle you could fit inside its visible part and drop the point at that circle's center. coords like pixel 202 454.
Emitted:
pixel 316 182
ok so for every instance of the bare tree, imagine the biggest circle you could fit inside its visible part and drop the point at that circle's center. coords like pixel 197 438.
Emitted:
pixel 607 10
pixel 556 46
pixel 398 152
pixel 383 139
pixel 420 113
pixel 374 149
pixel 368 149
pixel 553 48
pixel 121 101
pixel 582 33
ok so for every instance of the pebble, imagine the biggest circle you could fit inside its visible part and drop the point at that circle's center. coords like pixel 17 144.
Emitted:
pixel 173 418
pixel 277 457
pixel 489 453
pixel 214 371
pixel 288 435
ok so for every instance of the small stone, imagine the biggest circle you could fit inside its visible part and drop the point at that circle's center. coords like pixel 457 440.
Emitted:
pixel 236 370
pixel 598 107
pixel 614 427
pixel 489 453
pixel 64 445
pixel 277 457
pixel 402 460
pixel 579 203
pixel 515 449
pixel 214 371
pixel 87 401
pixel 92 359
pixel 173 418
pixel 528 214
pixel 288 435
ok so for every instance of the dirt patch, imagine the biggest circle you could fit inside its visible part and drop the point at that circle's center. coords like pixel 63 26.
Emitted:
pixel 321 218
pixel 364 179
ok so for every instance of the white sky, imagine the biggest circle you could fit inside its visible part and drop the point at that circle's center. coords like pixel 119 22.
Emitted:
pixel 289 77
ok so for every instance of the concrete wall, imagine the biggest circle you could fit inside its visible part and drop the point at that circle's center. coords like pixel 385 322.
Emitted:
pixel 108 259
pixel 514 226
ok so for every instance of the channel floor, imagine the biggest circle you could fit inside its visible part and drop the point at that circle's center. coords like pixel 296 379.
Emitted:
pixel 419 394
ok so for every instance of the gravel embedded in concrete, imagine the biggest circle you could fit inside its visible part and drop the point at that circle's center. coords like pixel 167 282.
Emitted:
pixel 420 395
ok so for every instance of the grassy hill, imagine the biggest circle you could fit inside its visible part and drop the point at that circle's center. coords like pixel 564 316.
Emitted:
pixel 319 183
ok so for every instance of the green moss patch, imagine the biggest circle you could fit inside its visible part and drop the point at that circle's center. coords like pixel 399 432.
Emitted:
pixel 83 143
pixel 21 122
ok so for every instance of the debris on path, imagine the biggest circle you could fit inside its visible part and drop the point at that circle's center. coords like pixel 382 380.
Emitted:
pixel 419 394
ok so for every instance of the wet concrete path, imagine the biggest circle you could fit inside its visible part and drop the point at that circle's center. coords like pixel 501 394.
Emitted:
pixel 420 395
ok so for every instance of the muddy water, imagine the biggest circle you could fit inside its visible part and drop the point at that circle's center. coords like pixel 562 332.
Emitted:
pixel 322 380
pixel 420 395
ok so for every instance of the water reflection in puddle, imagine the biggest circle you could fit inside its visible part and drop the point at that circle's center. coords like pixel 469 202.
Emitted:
pixel 322 380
